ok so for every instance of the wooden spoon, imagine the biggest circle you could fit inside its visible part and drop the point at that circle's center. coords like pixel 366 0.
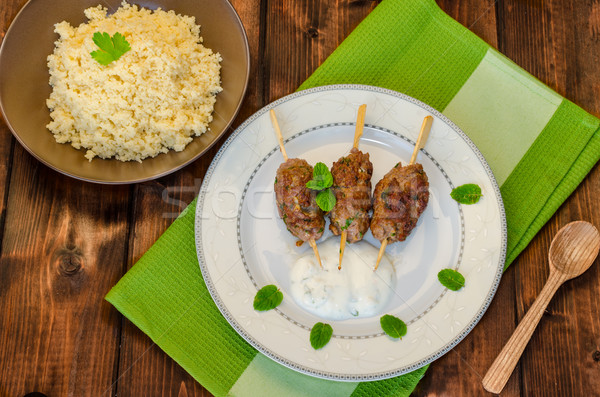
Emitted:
pixel 572 252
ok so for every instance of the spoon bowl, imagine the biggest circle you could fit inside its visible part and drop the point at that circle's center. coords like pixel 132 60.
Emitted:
pixel 574 249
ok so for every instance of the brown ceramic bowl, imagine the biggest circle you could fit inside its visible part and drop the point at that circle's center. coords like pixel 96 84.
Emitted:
pixel 24 84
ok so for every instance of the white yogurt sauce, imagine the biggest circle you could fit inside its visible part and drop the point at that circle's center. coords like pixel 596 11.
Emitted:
pixel 355 291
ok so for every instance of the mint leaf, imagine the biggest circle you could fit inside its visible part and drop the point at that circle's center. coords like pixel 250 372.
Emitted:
pixel 320 334
pixel 315 185
pixel 326 200
pixel 111 48
pixel 393 326
pixel 267 298
pixel 322 181
pixel 322 174
pixel 322 178
pixel 467 194
pixel 451 279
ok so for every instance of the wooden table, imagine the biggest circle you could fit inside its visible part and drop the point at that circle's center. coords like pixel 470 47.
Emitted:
pixel 65 243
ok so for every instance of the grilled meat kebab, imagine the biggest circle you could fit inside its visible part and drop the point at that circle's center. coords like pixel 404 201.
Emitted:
pixel 399 200
pixel 296 203
pixel 352 189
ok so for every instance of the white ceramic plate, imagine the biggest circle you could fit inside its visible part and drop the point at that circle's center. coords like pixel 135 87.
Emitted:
pixel 242 244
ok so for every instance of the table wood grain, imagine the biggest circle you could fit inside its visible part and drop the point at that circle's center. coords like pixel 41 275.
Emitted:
pixel 65 243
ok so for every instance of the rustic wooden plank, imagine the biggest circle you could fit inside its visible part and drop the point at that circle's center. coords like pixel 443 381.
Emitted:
pixel 7 143
pixel 7 12
pixel 478 17
pixel 301 35
pixel 558 42
pixel 61 251
pixel 144 369
pixel 537 38
pixel 63 248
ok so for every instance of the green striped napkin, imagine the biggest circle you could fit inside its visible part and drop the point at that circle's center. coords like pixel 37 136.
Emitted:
pixel 539 145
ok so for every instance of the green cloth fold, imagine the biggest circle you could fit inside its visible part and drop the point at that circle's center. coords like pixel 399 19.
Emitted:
pixel 413 47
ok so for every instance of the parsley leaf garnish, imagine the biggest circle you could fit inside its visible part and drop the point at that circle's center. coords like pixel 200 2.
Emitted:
pixel 451 279
pixel 467 194
pixel 320 334
pixel 393 326
pixel 322 181
pixel 111 48
pixel 348 223
pixel 267 298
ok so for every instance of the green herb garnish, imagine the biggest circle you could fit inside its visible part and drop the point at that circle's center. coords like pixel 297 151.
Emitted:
pixel 467 194
pixel 393 326
pixel 322 181
pixel 322 178
pixel 111 48
pixel 320 334
pixel 451 279
pixel 349 222
pixel 326 200
pixel 267 298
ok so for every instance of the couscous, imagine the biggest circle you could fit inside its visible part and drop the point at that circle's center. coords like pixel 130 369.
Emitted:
pixel 155 97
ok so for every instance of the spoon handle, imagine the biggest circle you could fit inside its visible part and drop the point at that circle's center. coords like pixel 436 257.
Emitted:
pixel 496 377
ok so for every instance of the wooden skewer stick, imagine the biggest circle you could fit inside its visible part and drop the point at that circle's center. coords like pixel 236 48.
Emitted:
pixel 278 132
pixel 421 140
pixel 312 242
pixel 344 237
pixel 384 244
pixel 360 125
